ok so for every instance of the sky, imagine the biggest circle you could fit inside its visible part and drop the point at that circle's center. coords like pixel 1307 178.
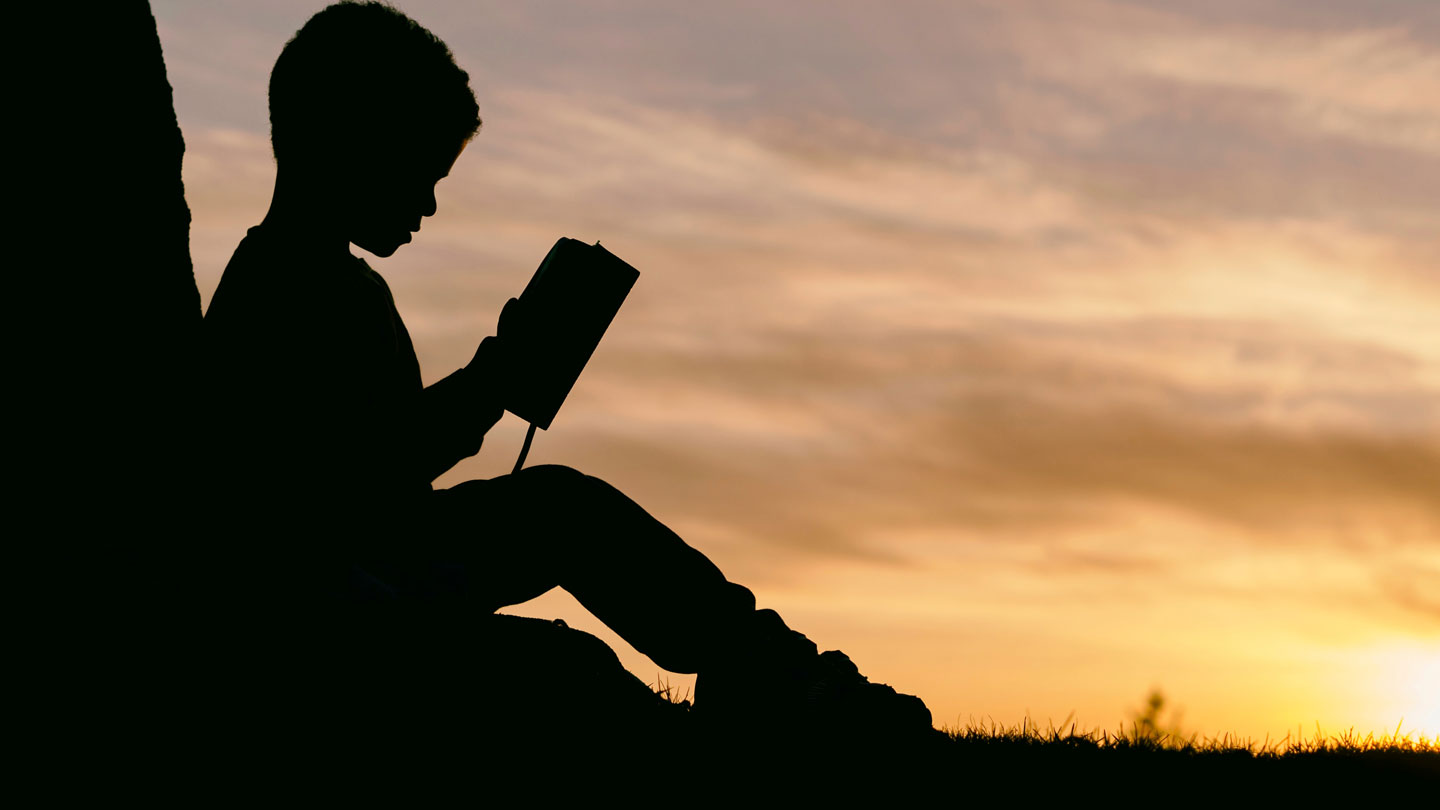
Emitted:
pixel 1035 354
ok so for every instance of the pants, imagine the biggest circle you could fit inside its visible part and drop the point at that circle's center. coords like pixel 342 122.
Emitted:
pixel 512 538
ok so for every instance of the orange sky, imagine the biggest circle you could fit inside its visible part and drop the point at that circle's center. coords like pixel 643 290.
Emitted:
pixel 1033 353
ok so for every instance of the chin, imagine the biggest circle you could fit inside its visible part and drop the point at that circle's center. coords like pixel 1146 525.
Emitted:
pixel 383 250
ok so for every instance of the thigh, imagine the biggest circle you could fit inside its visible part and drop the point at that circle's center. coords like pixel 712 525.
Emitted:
pixel 509 538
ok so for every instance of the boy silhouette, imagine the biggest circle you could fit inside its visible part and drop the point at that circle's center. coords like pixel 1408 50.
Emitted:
pixel 328 442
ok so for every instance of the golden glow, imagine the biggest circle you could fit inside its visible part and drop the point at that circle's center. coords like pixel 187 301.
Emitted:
pixel 1032 377
pixel 1408 683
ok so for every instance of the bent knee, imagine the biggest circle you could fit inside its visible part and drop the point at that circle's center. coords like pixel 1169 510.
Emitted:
pixel 552 475
pixel 559 480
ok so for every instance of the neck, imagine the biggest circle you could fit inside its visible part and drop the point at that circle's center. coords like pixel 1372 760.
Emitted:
pixel 300 214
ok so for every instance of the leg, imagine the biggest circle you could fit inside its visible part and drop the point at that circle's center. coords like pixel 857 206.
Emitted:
pixel 550 526
pixel 515 537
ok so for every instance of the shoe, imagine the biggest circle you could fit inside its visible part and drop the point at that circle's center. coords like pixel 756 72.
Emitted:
pixel 838 700
pixel 780 684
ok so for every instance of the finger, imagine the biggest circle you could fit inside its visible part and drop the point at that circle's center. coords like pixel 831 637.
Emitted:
pixel 481 352
pixel 507 315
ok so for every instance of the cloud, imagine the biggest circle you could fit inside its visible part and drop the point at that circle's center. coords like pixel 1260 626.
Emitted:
pixel 967 332
pixel 985 432
pixel 1413 589
pixel 1378 85
pixel 810 264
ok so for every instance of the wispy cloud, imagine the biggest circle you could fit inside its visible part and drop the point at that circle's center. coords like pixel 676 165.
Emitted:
pixel 976 322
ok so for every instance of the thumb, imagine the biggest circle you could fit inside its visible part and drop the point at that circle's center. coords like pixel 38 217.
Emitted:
pixel 510 315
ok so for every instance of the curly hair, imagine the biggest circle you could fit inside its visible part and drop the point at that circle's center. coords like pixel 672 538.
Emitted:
pixel 367 61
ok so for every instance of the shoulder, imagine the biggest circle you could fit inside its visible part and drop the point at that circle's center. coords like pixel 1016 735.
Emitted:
pixel 273 278
pixel 272 298
pixel 253 280
pixel 288 302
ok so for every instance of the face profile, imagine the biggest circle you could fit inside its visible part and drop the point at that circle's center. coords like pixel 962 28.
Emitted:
pixel 383 200
pixel 365 179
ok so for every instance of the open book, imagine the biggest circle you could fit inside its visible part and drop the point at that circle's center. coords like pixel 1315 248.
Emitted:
pixel 569 303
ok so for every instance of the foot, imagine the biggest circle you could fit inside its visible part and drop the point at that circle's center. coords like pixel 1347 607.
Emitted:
pixel 781 683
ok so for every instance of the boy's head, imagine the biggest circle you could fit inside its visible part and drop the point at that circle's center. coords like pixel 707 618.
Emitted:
pixel 370 109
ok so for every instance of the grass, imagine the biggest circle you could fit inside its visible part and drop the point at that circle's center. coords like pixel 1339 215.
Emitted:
pixel 1147 755
pixel 1137 757
pixel 1140 737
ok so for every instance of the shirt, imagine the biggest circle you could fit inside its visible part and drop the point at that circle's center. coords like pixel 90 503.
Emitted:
pixel 321 422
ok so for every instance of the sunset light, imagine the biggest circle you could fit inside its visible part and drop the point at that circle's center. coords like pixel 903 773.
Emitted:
pixel 1037 355
pixel 1409 684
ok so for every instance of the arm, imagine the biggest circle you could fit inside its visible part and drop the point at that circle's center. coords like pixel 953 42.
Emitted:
pixel 459 410
pixel 456 413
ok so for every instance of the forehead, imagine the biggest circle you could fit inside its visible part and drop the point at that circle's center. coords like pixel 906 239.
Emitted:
pixel 448 153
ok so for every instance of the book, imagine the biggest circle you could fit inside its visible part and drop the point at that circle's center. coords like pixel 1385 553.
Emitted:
pixel 568 305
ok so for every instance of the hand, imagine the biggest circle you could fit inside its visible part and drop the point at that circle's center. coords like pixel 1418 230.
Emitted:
pixel 497 359
pixel 490 368
pixel 512 324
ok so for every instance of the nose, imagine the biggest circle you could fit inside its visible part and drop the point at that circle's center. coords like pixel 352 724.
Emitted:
pixel 427 204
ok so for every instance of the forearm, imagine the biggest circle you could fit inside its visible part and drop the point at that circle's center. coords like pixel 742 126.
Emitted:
pixel 454 416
